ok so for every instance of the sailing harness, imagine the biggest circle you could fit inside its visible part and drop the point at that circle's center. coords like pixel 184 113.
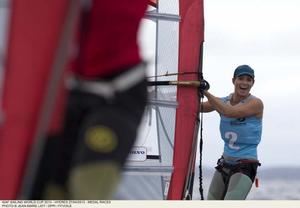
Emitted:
pixel 245 166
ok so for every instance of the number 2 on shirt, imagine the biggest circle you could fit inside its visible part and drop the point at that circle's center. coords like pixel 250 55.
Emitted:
pixel 232 136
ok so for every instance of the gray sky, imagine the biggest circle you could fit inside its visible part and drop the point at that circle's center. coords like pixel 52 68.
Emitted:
pixel 266 35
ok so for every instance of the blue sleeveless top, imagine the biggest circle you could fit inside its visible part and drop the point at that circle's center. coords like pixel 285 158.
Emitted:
pixel 241 135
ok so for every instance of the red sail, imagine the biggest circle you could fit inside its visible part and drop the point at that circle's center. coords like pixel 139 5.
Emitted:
pixel 190 49
pixel 34 36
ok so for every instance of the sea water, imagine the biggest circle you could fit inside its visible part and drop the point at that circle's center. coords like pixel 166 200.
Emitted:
pixel 285 188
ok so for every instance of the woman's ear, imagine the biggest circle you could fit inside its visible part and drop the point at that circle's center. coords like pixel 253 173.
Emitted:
pixel 253 82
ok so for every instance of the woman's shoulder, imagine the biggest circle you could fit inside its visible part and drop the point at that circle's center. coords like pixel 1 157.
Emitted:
pixel 256 99
pixel 258 104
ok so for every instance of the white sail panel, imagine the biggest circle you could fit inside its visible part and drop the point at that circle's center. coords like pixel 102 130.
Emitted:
pixel 150 178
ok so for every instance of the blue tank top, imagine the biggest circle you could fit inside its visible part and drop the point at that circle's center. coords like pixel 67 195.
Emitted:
pixel 241 135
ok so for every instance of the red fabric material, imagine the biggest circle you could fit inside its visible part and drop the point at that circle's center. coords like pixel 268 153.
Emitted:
pixel 33 38
pixel 109 37
pixel 191 38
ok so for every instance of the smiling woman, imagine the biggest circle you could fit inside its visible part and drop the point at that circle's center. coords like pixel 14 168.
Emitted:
pixel 241 126
pixel 265 34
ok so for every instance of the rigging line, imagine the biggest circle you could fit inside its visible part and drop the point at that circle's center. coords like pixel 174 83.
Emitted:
pixel 201 149
pixel 190 179
pixel 201 96
pixel 167 74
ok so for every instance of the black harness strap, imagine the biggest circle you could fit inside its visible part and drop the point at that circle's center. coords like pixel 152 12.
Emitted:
pixel 200 150
pixel 245 166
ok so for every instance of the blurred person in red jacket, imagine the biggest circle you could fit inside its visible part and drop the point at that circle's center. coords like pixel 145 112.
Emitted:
pixel 107 96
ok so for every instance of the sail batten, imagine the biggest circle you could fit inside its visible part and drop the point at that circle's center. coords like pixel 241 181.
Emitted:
pixel 162 16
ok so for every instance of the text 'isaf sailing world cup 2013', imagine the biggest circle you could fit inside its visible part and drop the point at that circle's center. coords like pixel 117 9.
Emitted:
pixel 51 203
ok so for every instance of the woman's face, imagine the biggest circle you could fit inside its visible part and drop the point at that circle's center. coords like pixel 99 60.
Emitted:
pixel 243 85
